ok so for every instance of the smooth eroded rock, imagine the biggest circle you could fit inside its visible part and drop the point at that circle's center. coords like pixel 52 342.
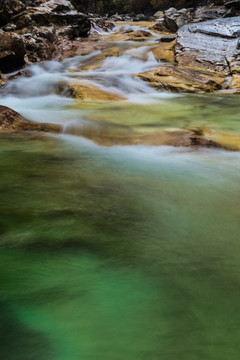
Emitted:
pixel 171 78
pixel 211 46
pixel 11 121
pixel 164 51
pixel 88 92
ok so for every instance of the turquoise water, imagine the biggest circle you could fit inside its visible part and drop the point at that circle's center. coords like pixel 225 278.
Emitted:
pixel 120 253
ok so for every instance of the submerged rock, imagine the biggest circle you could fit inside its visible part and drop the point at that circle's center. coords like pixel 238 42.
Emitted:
pixel 108 135
pixel 11 121
pixel 212 46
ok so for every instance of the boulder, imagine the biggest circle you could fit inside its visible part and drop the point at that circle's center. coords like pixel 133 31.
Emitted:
pixel 41 31
pixel 140 17
pixel 211 46
pixel 103 24
pixel 46 16
pixel 159 26
pixel 173 19
pixel 159 15
pixel 11 121
pixel 12 52
pixel 8 9
pixel 41 43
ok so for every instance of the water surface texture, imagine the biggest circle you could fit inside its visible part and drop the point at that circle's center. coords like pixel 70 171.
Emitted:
pixel 120 252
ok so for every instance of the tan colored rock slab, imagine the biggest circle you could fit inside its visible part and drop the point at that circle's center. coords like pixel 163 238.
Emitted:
pixel 164 51
pixel 139 35
pixel 87 92
pixel 171 78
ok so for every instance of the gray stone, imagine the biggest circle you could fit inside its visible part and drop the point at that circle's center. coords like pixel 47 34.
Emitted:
pixel 159 15
pixel 211 46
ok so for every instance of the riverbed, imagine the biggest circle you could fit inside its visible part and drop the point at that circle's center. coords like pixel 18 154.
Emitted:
pixel 113 247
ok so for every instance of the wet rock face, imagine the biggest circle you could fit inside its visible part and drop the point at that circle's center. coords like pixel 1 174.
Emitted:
pixel 12 52
pixel 8 9
pixel 232 3
pixel 59 13
pixel 11 121
pixel 40 43
pixel 33 30
pixel 212 46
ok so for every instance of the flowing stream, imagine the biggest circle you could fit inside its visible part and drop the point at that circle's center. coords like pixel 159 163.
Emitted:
pixel 112 249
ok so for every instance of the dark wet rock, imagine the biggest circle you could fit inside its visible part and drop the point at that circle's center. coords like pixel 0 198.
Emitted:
pixel 159 26
pixel 40 29
pixel 41 43
pixel 232 3
pixel 8 9
pixel 103 24
pixel 11 121
pixel 173 19
pixel 167 38
pixel 12 52
pixel 87 6
pixel 173 23
pixel 46 16
pixel 211 46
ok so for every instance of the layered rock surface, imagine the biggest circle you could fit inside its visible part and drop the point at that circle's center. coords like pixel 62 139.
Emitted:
pixel 211 46
pixel 36 30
